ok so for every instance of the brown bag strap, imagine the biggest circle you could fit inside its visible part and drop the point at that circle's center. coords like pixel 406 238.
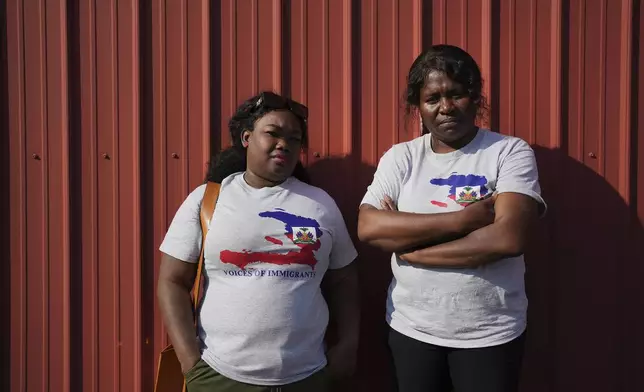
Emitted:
pixel 207 209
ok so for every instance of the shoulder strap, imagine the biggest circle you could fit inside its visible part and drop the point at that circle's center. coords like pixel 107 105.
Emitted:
pixel 207 209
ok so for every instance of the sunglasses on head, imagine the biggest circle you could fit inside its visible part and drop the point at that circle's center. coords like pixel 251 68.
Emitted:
pixel 274 101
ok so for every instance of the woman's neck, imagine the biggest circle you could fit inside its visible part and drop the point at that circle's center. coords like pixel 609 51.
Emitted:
pixel 259 182
pixel 441 147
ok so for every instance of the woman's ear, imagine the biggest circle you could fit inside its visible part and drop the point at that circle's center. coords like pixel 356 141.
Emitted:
pixel 245 138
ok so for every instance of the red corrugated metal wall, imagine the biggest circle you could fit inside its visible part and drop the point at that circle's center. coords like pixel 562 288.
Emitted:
pixel 112 108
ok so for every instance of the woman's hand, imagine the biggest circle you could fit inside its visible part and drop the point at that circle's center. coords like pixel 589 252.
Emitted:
pixel 388 204
pixel 342 359
pixel 473 217
pixel 505 237
pixel 478 214
pixel 340 288
pixel 189 361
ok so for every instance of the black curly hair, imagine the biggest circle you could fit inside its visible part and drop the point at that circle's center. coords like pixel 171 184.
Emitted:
pixel 233 159
pixel 456 63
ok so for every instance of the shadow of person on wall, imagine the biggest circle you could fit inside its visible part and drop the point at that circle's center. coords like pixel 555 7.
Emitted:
pixel 584 266
pixel 346 180
pixel 584 263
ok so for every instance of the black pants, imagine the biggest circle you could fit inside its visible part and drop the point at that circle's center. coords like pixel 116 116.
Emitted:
pixel 424 367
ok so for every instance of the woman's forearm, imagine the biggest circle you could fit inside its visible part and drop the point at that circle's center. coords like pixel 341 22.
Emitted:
pixel 176 308
pixel 506 237
pixel 395 231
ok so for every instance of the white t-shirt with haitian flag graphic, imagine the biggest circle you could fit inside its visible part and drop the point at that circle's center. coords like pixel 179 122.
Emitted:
pixel 461 308
pixel 263 317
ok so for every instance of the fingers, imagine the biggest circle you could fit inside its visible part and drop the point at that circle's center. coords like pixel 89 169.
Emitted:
pixel 388 204
pixel 489 198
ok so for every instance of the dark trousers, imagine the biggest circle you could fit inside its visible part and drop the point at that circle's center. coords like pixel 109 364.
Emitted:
pixel 424 367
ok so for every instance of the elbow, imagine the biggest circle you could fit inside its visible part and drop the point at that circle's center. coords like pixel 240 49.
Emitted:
pixel 386 246
pixel 515 251
pixel 168 286
pixel 365 229
pixel 512 246
pixel 368 235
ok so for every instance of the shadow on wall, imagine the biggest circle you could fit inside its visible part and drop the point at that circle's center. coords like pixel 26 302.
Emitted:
pixel 584 268
pixel 584 265
pixel 346 180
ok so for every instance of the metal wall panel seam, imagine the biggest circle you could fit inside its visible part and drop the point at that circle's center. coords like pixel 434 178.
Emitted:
pixel 637 106
pixel 36 222
pixel 233 59
pixel 227 71
pixel 625 106
pixel 464 40
pixel 89 186
pixel 254 27
pixel 277 46
pixel 129 195
pixel 581 76
pixel 185 95
pixel 199 94
pixel 395 33
pixel 375 85
pixel 486 54
pixel 17 188
pixel 107 204
pixel 159 154
pixel 555 74
pixel 176 105
pixel 417 20
pixel 533 73
pixel 601 145
pixel 347 85
pixel 442 36
pixel 511 68
pixel 304 52
pixel 57 179
pixel 325 79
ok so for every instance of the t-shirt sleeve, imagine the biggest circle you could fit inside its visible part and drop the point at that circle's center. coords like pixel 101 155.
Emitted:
pixel 343 252
pixel 518 173
pixel 183 239
pixel 389 176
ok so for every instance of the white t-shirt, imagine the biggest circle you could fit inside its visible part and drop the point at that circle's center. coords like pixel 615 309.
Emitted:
pixel 461 308
pixel 263 317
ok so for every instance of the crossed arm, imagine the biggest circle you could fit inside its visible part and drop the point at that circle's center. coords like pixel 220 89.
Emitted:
pixel 446 240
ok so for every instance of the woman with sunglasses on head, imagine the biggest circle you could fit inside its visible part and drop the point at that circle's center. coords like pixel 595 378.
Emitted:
pixel 454 206
pixel 272 240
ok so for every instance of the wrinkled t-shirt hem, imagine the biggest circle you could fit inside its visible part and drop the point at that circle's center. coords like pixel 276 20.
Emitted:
pixel 495 340
pixel 229 372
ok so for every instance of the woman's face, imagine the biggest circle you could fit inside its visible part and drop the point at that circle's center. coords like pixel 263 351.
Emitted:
pixel 447 109
pixel 274 145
